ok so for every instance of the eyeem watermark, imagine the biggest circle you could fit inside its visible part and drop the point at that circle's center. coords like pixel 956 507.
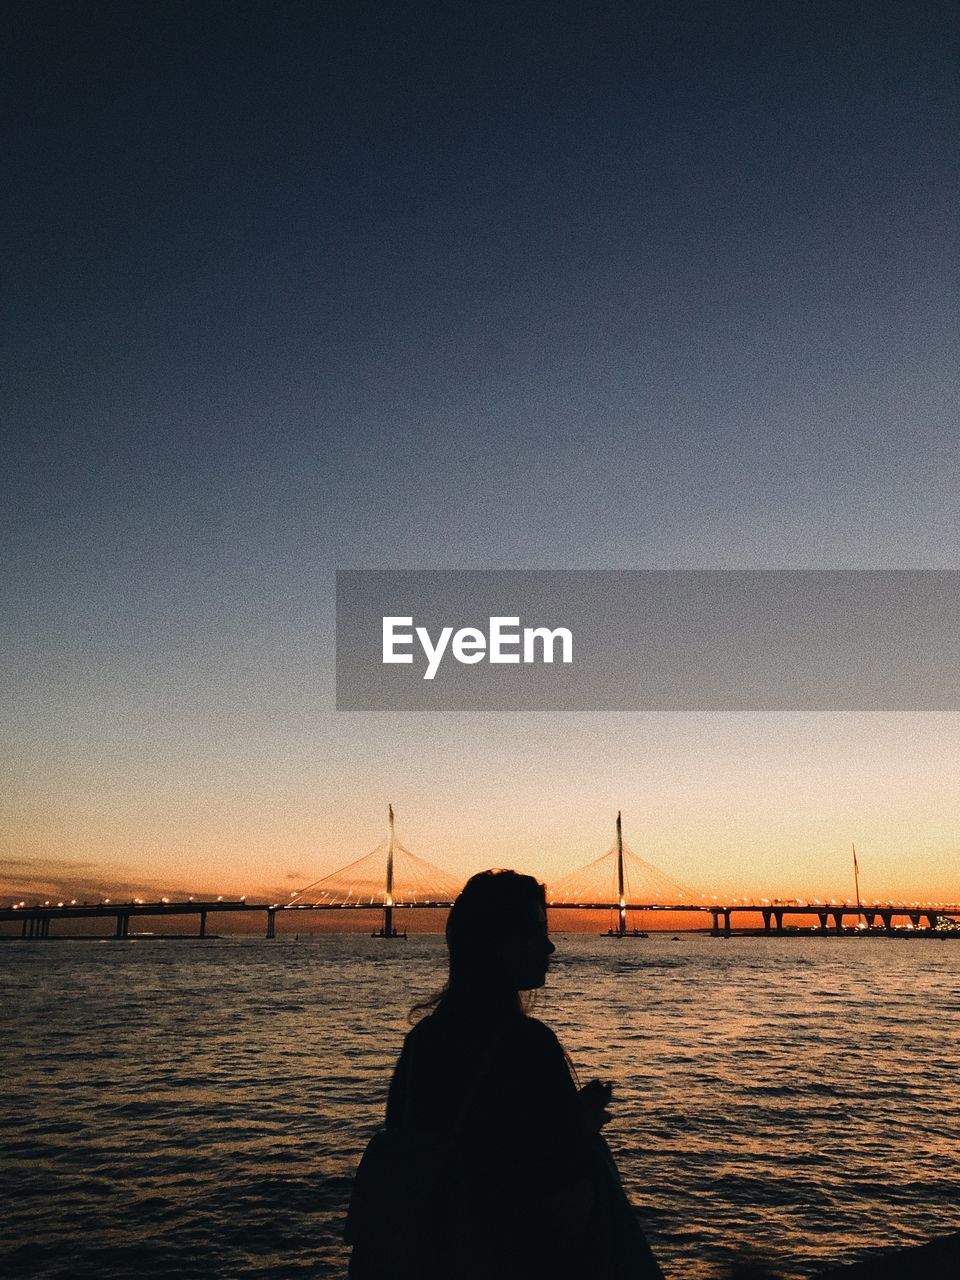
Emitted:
pixel 659 640
pixel 503 642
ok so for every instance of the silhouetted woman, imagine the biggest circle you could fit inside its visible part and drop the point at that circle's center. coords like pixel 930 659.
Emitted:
pixel 523 1185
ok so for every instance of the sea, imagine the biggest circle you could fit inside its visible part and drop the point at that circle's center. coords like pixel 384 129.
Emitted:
pixel 196 1108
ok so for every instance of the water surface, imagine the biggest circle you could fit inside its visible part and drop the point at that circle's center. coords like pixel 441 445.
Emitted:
pixel 188 1108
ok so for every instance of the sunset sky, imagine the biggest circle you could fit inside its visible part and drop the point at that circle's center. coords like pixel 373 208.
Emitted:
pixel 292 288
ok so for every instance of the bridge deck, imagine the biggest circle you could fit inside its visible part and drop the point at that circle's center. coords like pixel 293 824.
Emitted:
pixel 203 907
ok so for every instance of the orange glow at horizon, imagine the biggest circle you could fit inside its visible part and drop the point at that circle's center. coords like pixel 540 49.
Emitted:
pixel 736 806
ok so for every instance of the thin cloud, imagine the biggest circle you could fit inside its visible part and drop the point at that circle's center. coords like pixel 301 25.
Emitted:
pixel 42 864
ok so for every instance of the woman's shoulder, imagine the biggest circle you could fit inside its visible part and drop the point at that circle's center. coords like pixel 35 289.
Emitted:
pixel 535 1037
pixel 537 1062
pixel 518 1033
pixel 435 1035
pixel 535 1031
pixel 422 1035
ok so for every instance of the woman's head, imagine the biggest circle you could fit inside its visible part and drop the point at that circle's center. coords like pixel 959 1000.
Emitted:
pixel 497 934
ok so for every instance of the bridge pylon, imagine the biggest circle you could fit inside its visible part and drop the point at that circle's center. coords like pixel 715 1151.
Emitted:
pixel 621 931
pixel 387 930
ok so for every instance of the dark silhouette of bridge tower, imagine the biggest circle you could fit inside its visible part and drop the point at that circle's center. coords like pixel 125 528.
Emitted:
pixel 389 877
pixel 388 931
pixel 621 880
pixel 621 930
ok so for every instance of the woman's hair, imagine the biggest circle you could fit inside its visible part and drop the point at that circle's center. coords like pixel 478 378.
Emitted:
pixel 491 906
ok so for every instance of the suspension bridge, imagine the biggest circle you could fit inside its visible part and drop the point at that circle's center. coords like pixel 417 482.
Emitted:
pixel 391 878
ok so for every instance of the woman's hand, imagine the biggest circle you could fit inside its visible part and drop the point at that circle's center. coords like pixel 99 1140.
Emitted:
pixel 594 1100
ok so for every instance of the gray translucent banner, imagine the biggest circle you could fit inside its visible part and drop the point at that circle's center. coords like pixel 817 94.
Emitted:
pixel 663 640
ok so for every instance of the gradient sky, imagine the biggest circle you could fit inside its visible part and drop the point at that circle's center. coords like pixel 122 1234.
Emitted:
pixel 293 287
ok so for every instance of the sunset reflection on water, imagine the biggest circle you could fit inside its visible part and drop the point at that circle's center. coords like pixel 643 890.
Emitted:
pixel 189 1108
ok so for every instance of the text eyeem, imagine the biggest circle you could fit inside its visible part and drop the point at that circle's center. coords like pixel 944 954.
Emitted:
pixel 503 642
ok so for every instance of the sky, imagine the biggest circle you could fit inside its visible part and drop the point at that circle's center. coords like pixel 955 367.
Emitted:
pixel 296 287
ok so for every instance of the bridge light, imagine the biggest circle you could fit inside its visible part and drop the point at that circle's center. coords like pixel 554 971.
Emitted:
pixel 164 899
pixel 59 904
pixel 73 902
pixel 105 901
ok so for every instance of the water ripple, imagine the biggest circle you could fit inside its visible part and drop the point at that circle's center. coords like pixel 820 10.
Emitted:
pixel 197 1109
